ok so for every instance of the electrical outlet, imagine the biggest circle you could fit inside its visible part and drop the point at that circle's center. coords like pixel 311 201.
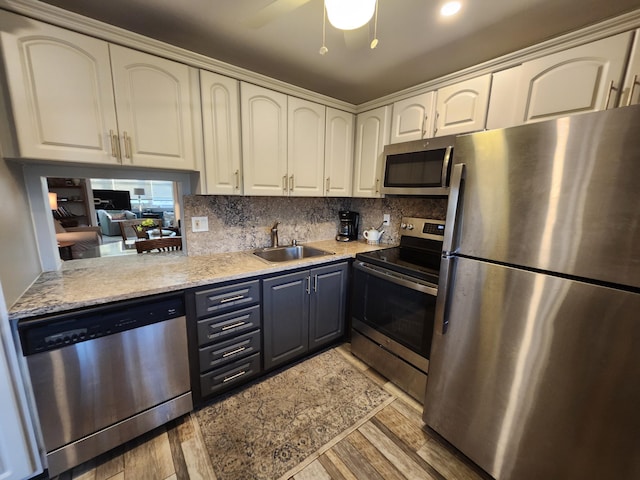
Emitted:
pixel 386 219
pixel 199 224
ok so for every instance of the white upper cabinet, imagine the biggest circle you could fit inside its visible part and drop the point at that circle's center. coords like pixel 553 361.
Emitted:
pixel 462 108
pixel 338 153
pixel 154 106
pixel 75 98
pixel 631 88
pixel 220 97
pixel 60 91
pixel 413 118
pixel 305 160
pixel 372 133
pixel 264 140
pixel 582 79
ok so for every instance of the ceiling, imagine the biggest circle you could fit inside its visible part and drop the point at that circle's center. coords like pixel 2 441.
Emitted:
pixel 282 38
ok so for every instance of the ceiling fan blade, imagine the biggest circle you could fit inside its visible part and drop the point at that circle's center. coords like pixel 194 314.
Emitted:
pixel 272 11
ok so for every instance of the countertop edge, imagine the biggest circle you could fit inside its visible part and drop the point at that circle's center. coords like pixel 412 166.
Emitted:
pixel 41 299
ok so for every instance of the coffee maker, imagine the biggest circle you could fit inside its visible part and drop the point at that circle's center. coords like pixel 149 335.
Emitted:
pixel 348 230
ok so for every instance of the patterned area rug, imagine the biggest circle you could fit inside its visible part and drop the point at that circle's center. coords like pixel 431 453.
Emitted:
pixel 268 428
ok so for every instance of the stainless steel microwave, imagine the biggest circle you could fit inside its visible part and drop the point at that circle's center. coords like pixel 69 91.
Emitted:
pixel 421 167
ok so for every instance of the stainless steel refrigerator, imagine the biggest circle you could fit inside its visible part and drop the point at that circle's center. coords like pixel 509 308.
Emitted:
pixel 535 363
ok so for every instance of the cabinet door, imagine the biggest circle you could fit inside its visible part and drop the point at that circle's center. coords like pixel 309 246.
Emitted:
pixel 305 158
pixel 338 154
pixel 327 314
pixel 264 140
pixel 412 118
pixel 221 127
pixel 153 101
pixel 579 80
pixel 285 317
pixel 60 90
pixel 372 133
pixel 631 88
pixel 462 107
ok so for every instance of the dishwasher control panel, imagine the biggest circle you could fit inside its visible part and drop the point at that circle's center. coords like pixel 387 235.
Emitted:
pixel 52 332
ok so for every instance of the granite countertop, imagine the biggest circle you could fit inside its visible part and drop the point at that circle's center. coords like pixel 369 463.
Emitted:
pixel 84 283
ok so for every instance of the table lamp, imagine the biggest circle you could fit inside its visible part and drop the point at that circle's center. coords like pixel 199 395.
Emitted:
pixel 53 201
pixel 139 192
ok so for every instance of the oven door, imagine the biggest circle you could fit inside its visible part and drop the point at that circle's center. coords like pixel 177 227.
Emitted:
pixel 389 305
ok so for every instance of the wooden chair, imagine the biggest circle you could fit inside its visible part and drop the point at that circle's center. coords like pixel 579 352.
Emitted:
pixel 163 244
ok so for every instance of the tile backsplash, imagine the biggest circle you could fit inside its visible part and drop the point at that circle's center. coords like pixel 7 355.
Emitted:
pixel 243 223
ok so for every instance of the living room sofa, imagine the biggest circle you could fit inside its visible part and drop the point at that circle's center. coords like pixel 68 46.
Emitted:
pixel 108 220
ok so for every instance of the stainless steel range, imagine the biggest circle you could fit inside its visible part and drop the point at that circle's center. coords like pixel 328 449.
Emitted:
pixel 393 304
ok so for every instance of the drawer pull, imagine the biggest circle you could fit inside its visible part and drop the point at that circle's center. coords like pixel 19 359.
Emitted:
pixel 233 325
pixel 233 352
pixel 231 299
pixel 228 379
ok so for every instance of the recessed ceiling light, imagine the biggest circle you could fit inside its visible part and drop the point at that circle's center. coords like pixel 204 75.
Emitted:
pixel 450 8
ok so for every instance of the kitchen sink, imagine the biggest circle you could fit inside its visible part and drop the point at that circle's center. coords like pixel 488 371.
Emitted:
pixel 291 252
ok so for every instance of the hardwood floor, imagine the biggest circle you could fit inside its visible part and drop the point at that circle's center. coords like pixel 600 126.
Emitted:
pixel 391 443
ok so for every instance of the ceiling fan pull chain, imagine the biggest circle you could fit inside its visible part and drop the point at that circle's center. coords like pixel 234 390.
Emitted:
pixel 323 48
pixel 374 42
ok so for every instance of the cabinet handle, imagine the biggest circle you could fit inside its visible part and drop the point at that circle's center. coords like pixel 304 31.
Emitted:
pixel 424 126
pixel 231 299
pixel 632 89
pixel 237 174
pixel 377 185
pixel 284 183
pixel 309 285
pixel 233 325
pixel 228 379
pixel 114 144
pixel 233 352
pixel 435 128
pixel 291 183
pixel 127 145
pixel 611 89
pixel 315 283
pixel 328 183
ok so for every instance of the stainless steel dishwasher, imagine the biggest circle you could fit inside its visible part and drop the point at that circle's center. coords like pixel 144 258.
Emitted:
pixel 104 375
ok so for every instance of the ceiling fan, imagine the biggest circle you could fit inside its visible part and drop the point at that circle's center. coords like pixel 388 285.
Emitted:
pixel 354 38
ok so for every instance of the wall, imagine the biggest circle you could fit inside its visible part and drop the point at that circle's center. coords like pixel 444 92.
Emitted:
pixel 19 260
pixel 244 223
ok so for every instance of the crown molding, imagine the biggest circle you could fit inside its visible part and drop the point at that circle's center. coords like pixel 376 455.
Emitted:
pixel 607 28
pixel 87 26
pixel 72 21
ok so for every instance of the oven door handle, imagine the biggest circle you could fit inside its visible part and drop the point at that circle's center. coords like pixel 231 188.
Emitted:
pixel 397 278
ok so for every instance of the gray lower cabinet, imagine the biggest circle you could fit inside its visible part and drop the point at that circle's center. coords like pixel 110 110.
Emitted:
pixel 303 311
pixel 228 337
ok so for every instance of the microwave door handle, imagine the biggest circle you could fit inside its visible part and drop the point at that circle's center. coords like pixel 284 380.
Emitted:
pixel 445 167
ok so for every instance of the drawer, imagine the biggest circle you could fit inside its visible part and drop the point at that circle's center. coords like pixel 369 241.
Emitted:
pixel 223 327
pixel 230 375
pixel 219 354
pixel 223 299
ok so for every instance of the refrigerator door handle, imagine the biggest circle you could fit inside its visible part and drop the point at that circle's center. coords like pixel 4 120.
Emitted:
pixel 447 272
pixel 455 191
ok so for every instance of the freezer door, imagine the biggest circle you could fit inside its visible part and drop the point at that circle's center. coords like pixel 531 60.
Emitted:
pixel 560 196
pixel 537 376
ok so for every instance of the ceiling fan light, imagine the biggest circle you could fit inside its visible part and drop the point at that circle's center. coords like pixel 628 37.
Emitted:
pixel 349 14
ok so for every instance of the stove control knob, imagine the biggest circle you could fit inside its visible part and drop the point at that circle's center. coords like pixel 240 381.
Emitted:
pixel 410 226
pixel 403 226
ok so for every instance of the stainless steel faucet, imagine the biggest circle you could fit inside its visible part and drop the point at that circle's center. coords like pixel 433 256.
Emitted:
pixel 274 234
